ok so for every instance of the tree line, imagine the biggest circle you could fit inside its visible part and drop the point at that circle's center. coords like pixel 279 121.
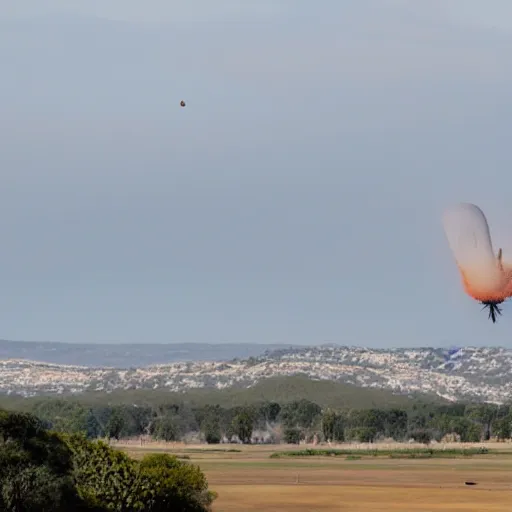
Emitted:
pixel 45 471
pixel 273 422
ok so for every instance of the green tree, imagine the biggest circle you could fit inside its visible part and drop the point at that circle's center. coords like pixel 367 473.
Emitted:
pixel 106 478
pixel 93 428
pixel 373 419
pixel 62 415
pixel 115 424
pixel 35 488
pixel 269 412
pixel 292 435
pixel 361 434
pixel 166 428
pixel 243 424
pixel 503 428
pixel 468 430
pixel 21 428
pixel 300 413
pixel 141 419
pixel 35 468
pixel 484 414
pixel 333 426
pixel 395 424
pixel 211 430
pixel 175 485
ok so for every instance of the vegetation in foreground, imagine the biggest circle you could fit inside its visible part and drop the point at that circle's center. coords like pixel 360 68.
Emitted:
pixel 43 471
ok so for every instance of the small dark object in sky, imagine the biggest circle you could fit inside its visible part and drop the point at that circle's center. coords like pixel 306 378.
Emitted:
pixel 494 310
pixel 470 483
pixel 182 103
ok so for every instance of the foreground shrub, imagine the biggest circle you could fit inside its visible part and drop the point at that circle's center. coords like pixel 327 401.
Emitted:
pixel 175 485
pixel 42 471
pixel 108 479
pixel 35 468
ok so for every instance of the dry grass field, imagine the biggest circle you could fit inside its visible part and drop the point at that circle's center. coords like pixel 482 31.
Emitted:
pixel 247 479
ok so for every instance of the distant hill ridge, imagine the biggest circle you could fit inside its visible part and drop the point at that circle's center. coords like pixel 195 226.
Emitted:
pixel 126 355
pixel 452 374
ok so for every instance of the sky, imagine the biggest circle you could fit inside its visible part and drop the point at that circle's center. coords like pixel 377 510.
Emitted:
pixel 297 198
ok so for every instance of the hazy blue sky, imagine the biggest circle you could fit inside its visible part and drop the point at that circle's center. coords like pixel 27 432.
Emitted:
pixel 298 196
